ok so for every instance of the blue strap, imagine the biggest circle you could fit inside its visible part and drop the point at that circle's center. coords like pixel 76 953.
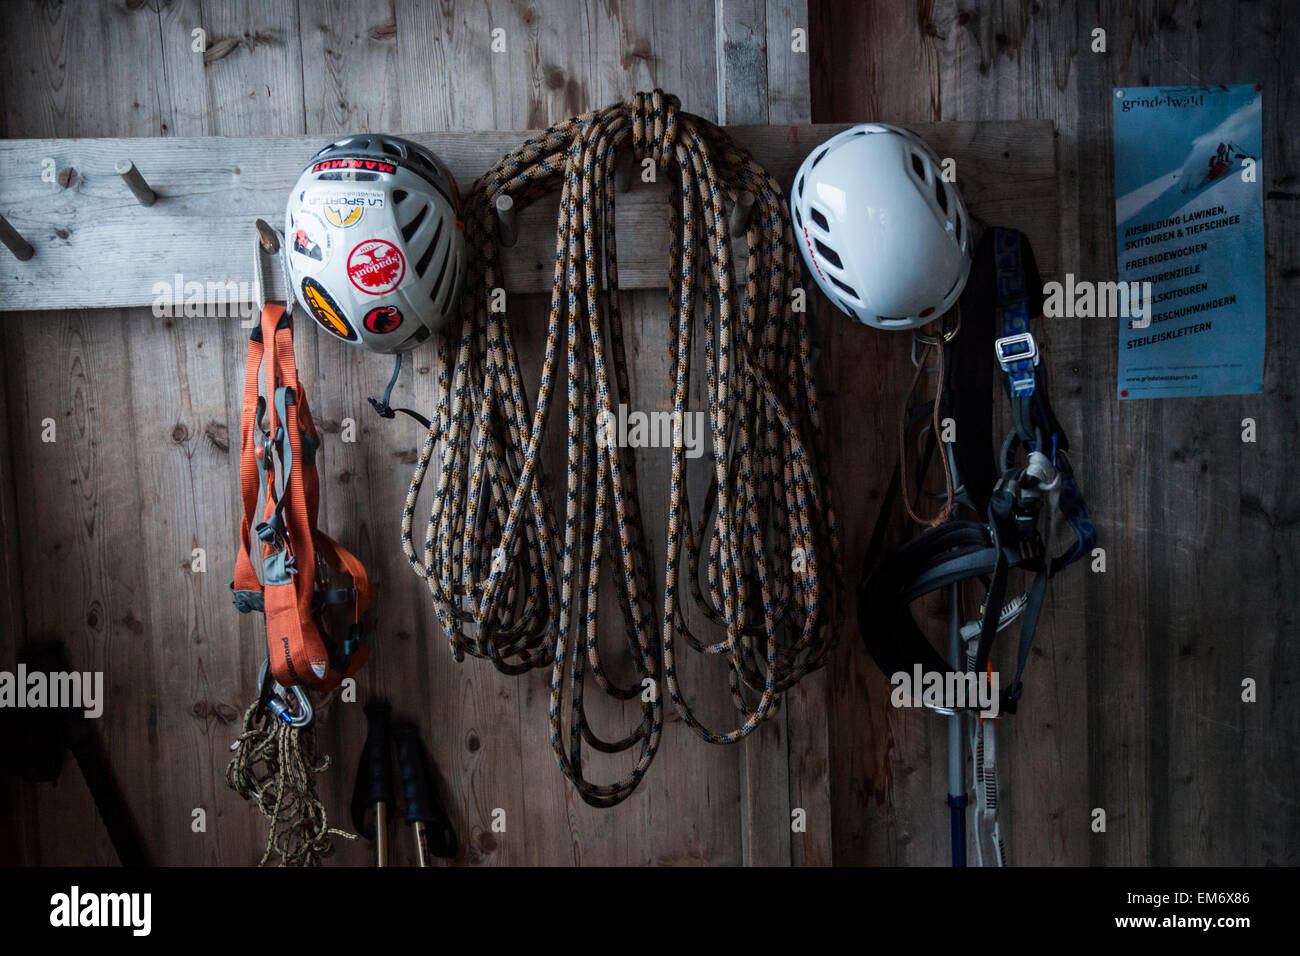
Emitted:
pixel 1075 511
pixel 1012 310
pixel 1018 356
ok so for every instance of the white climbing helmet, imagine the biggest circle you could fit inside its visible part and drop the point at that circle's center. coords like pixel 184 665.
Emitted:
pixel 373 245
pixel 883 235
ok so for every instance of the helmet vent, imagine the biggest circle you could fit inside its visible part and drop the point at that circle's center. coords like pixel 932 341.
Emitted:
pixel 391 148
pixel 348 176
pixel 450 302
pixel 844 288
pixel 957 227
pixel 409 229
pixel 819 157
pixel 818 218
pixel 399 195
pixel 428 253
pixel 828 254
pixel 941 194
pixel 436 288
pixel 798 218
pixel 798 187
pixel 918 167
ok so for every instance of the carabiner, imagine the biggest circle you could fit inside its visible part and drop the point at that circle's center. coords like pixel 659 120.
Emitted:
pixel 949 331
pixel 275 699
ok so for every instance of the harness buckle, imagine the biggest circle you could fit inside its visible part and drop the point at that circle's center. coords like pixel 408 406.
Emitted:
pixel 1018 356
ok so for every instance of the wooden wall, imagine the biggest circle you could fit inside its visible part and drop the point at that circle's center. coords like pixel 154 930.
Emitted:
pixel 1133 701
pixel 144 469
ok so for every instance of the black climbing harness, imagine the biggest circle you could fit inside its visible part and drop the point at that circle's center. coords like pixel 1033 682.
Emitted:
pixel 1030 481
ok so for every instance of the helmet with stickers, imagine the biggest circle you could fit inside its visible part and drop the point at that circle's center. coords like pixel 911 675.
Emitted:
pixel 375 250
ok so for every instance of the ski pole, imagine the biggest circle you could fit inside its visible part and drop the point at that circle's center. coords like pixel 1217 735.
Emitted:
pixel 956 738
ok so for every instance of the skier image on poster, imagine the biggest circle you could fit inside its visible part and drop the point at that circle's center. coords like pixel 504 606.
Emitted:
pixel 1226 157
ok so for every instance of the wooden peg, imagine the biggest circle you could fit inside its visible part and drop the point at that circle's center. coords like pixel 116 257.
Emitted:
pixel 126 169
pixel 19 246
pixel 741 213
pixel 507 226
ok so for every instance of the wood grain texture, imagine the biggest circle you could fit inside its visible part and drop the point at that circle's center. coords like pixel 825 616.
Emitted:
pixel 788 76
pixel 765 759
pixel 1134 693
pixel 16 801
pixel 740 35
pixel 1134 700
pixel 154 403
pixel 81 591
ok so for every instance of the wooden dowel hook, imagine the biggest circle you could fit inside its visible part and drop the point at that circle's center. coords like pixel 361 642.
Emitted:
pixel 507 225
pixel 126 169
pixel 16 244
pixel 741 213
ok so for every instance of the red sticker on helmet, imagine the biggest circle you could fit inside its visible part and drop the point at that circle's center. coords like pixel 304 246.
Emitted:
pixel 383 319
pixel 368 165
pixel 376 266
pixel 811 254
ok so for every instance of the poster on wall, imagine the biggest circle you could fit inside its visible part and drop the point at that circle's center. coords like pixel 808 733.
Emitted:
pixel 1189 222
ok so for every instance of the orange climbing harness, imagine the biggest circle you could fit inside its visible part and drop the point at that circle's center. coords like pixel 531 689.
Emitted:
pixel 278 465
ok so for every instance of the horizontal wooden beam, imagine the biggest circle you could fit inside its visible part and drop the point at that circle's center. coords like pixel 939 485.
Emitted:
pixel 97 246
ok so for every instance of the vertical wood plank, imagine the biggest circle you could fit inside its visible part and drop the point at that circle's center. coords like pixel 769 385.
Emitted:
pixel 807 706
pixel 248 81
pixel 740 34
pixel 788 73
pixel 475 711
pixel 743 55
pixel 16 801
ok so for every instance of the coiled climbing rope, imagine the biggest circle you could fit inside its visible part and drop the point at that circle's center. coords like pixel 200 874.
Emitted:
pixel 513 583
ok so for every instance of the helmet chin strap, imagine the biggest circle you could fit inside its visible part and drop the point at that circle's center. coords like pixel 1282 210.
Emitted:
pixel 386 410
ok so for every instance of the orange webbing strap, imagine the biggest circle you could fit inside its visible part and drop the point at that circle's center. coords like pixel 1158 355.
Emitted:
pixel 288 589
pixel 246 582
pixel 297 652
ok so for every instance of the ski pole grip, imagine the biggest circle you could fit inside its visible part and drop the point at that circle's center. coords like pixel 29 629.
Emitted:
pixel 374 782
pixel 415 773
pixel 422 803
